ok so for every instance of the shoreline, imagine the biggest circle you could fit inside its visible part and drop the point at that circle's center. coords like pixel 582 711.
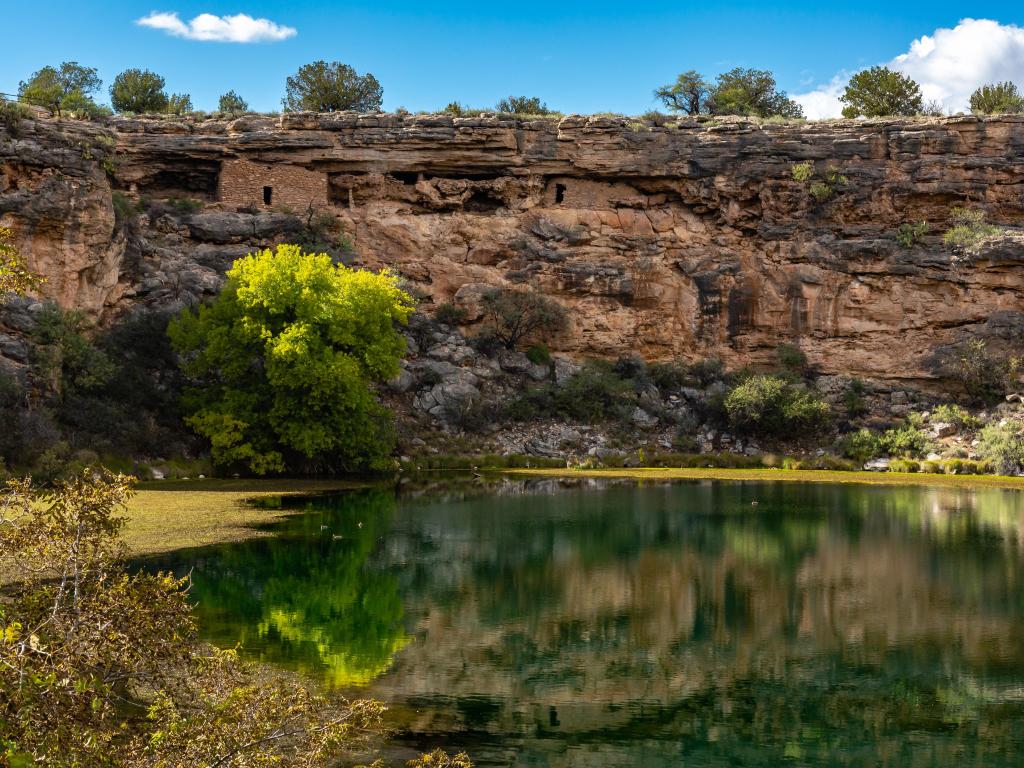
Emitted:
pixel 168 515
pixel 782 475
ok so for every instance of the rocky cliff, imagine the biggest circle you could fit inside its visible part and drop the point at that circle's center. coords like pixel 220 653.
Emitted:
pixel 689 238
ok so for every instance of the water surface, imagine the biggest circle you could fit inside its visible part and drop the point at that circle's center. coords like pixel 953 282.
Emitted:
pixel 693 624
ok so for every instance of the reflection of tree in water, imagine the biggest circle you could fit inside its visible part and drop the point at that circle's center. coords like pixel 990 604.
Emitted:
pixel 306 598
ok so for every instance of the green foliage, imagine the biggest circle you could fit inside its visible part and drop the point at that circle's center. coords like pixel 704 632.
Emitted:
pixel 997 99
pixel 63 89
pixel 450 314
pixel 11 116
pixel 688 94
pixel 823 187
pixel 968 229
pixel 99 667
pixel 513 315
pixel 853 399
pixel 179 104
pixel 861 446
pixel 539 354
pixel 803 172
pixel 910 233
pixel 331 87
pixel 139 91
pixel 908 441
pixel 15 277
pixel 880 92
pixel 1003 446
pixel 669 376
pixel 185 205
pixel 523 105
pixel 595 393
pixel 904 465
pixel 124 207
pixel 770 405
pixel 792 359
pixel 750 92
pixel 63 361
pixel 956 415
pixel 283 361
pixel 232 104
pixel 984 378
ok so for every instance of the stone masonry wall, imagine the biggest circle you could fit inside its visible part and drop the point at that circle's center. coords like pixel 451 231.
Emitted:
pixel 243 183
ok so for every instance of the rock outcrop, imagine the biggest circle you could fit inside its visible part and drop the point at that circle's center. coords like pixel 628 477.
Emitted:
pixel 690 238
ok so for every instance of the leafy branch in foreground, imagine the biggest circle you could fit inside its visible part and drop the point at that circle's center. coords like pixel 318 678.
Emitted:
pixel 15 277
pixel 101 667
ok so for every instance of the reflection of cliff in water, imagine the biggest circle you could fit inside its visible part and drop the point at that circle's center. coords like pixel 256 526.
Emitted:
pixel 539 624
pixel 682 621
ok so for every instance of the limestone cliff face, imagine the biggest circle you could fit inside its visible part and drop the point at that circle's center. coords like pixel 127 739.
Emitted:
pixel 687 239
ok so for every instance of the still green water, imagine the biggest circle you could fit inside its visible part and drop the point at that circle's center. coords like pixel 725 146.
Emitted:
pixel 540 623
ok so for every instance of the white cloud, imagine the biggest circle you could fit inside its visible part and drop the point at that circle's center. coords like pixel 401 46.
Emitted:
pixel 240 28
pixel 948 64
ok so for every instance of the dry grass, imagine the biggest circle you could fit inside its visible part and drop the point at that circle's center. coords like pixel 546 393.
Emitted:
pixel 785 475
pixel 174 514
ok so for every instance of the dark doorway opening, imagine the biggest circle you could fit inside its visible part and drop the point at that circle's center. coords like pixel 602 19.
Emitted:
pixel 559 193
pixel 268 195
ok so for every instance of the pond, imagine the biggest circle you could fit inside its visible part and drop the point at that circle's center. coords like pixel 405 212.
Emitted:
pixel 549 623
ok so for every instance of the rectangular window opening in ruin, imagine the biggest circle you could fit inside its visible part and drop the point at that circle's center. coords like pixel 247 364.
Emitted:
pixel 559 193
pixel 268 195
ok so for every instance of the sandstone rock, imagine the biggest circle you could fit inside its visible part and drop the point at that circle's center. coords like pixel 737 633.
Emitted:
pixel 877 465
pixel 941 429
pixel 564 370
pixel 685 241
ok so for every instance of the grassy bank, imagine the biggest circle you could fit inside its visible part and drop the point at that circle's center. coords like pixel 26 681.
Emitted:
pixel 785 475
pixel 175 514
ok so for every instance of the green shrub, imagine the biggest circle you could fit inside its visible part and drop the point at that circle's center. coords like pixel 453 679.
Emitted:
pixel 792 359
pixel 186 205
pixel 138 91
pixel 450 314
pixel 968 229
pixel 984 378
pixel 803 172
pixel 908 440
pixel 707 371
pixel 1002 445
pixel 861 446
pixel 11 115
pixel 908 234
pixel 232 104
pixel 904 465
pixel 124 207
pixel 539 354
pixel 931 467
pixel 669 376
pixel 771 405
pixel 595 393
pixel 853 399
pixel 955 415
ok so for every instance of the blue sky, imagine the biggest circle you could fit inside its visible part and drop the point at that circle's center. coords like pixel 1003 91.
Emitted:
pixel 577 56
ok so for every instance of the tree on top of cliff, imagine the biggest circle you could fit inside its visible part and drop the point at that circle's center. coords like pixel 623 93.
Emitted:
pixel 523 105
pixel 689 93
pixel 62 89
pixel 997 99
pixel 333 87
pixel 232 104
pixel 139 91
pixel 282 362
pixel 750 92
pixel 879 92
